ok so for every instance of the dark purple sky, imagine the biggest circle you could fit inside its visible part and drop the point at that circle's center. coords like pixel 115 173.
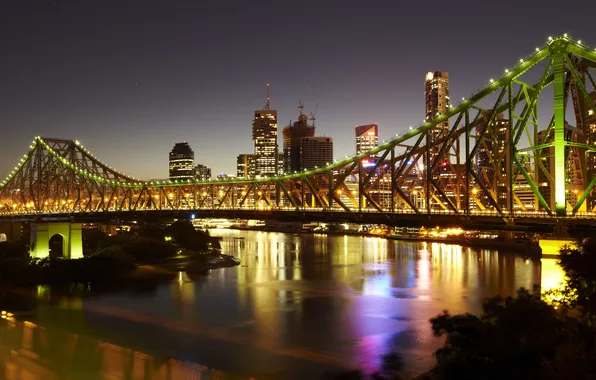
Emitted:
pixel 131 78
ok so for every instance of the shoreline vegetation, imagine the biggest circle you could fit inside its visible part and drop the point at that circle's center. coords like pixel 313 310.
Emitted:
pixel 147 254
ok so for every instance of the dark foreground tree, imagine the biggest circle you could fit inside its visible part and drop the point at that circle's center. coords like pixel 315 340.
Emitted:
pixel 519 337
pixel 579 292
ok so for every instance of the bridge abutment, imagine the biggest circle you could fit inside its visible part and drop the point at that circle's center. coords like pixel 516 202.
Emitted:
pixel 70 233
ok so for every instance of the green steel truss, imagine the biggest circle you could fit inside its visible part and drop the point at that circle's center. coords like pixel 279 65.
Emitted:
pixel 495 159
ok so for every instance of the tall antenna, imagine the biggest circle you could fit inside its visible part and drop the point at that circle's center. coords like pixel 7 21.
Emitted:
pixel 268 98
pixel 301 107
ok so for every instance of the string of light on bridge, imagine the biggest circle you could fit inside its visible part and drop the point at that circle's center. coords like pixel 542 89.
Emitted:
pixel 509 74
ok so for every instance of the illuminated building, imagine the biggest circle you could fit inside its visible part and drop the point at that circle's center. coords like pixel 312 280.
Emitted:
pixel 436 91
pixel 367 137
pixel 591 156
pixel 316 152
pixel 292 139
pixel 202 173
pixel 574 176
pixel 264 136
pixel 245 166
pixel 182 160
pixel 491 160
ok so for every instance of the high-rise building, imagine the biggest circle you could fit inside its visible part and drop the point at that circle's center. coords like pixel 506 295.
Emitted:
pixel 292 138
pixel 436 91
pixel 491 160
pixel 317 151
pixel 202 173
pixel 264 135
pixel 574 177
pixel 245 166
pixel 367 137
pixel 182 160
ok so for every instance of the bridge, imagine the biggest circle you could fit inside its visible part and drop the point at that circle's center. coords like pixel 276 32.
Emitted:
pixel 483 164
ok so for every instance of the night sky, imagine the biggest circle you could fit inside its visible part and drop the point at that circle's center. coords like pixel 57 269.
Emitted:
pixel 129 79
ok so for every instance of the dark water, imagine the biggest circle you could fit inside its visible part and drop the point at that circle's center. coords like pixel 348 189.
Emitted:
pixel 298 306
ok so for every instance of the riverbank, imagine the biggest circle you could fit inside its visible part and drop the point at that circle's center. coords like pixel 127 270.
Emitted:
pixel 522 246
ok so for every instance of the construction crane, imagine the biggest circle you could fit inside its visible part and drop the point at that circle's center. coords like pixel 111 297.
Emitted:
pixel 313 115
pixel 301 107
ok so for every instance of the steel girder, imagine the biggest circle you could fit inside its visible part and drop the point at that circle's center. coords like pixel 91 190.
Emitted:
pixel 508 167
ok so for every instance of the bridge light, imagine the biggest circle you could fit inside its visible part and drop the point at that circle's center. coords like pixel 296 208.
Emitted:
pixel 411 128
pixel 474 191
pixel 506 71
pixel 537 49
pixel 491 80
pixel 564 35
pixel 579 41
pixel 521 60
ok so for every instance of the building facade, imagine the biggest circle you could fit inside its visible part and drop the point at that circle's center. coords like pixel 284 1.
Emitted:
pixel 367 137
pixel 574 175
pixel 245 166
pixel 264 135
pixel 317 152
pixel 436 93
pixel 491 161
pixel 182 160
pixel 292 140
pixel 591 156
pixel 202 173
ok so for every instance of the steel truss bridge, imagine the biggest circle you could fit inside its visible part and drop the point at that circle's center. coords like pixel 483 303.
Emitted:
pixel 491 166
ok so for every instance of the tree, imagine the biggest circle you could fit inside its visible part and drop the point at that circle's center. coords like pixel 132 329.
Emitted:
pixel 185 236
pixel 579 291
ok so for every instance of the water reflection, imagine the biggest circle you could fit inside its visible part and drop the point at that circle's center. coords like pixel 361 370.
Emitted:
pixel 299 305
pixel 28 351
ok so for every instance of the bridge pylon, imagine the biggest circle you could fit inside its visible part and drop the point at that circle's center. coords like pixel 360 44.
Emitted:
pixel 69 233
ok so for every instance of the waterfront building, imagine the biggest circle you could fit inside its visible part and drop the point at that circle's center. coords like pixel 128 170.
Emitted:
pixel 181 163
pixel 591 156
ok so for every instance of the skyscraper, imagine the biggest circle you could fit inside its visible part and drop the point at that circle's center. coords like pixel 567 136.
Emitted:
pixel 367 137
pixel 292 139
pixel 316 152
pixel 436 91
pixel 264 135
pixel 182 160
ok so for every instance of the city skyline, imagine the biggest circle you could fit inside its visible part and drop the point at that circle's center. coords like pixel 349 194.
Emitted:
pixel 143 93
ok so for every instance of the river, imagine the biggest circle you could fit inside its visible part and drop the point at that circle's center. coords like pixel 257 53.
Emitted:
pixel 297 307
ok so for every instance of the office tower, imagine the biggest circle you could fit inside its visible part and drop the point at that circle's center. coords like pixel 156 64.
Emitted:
pixel 182 162
pixel 316 152
pixel 245 166
pixel 292 138
pixel 264 135
pixel 574 177
pixel 491 161
pixel 436 91
pixel 202 173
pixel 367 137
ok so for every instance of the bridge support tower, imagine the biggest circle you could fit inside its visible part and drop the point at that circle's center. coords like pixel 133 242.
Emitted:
pixel 70 233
